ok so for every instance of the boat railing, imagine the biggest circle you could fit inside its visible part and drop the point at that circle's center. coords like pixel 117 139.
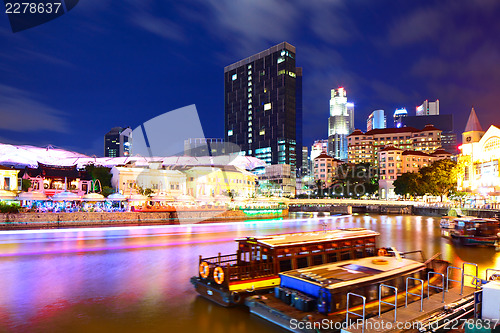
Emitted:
pixel 438 287
pixel 362 316
pixel 469 275
pixel 250 271
pixel 448 277
pixel 380 301
pixel 221 260
pixel 421 295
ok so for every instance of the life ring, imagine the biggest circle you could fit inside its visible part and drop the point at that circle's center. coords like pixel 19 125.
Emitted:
pixel 382 252
pixel 380 261
pixel 218 275
pixel 495 277
pixel 204 270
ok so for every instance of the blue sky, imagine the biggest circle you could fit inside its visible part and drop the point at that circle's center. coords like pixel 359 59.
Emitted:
pixel 106 64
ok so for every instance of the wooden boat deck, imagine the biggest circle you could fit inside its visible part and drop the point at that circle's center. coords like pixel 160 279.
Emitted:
pixel 409 314
pixel 274 310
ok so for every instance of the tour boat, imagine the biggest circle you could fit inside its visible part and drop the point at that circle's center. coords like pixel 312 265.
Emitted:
pixel 475 231
pixel 254 268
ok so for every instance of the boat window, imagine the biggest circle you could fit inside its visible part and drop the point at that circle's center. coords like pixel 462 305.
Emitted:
pixel 285 265
pixel 331 257
pixel 345 255
pixel 302 262
pixel 317 260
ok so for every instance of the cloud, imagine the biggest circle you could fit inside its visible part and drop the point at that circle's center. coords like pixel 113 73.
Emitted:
pixel 20 112
pixel 159 26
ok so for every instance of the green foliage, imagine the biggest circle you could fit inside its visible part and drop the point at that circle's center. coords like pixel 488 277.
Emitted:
pixel 102 173
pixel 439 178
pixel 409 184
pixel 25 185
pixel 9 208
pixel 107 190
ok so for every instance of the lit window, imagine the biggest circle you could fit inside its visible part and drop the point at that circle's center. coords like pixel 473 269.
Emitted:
pixel 249 83
pixel 292 74
pixel 249 66
pixel 249 101
pixel 250 118
pixel 249 123
pixel 283 53
pixel 281 72
pixel 249 89
pixel 249 135
pixel 234 77
pixel 250 95
pixel 267 106
pixel 230 133
pixel 249 78
pixel 280 60
pixel 262 132
pixel 250 129
pixel 265 90
pixel 249 112
pixel 249 72
pixel 249 140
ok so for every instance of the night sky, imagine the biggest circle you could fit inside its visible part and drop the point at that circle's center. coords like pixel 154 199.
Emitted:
pixel 120 63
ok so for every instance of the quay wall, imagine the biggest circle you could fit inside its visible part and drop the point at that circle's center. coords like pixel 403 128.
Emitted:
pixel 101 219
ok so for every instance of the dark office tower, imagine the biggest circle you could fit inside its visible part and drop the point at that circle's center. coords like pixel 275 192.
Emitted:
pixel 298 120
pixel 260 105
pixel 118 142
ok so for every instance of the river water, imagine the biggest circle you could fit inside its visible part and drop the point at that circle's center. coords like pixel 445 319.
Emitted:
pixel 136 279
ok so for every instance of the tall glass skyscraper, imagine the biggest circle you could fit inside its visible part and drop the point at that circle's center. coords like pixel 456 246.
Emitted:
pixel 340 123
pixel 263 106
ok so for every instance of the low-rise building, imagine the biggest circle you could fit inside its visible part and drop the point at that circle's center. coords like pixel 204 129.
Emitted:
pixel 393 162
pixel 364 147
pixel 276 180
pixel 479 159
pixel 325 168
pixel 8 179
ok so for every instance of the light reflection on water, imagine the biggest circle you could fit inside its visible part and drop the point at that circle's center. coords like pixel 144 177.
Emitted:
pixel 137 279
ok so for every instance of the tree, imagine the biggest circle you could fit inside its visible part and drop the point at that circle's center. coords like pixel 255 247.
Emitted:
pixel 354 180
pixel 440 177
pixel 409 184
pixel 99 172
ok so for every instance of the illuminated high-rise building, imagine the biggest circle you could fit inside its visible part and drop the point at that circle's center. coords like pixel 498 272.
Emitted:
pixel 118 142
pixel 428 108
pixel 340 123
pixel 376 120
pixel 263 106
pixel 399 114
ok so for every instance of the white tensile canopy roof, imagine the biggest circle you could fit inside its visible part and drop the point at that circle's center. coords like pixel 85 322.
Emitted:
pixel 21 156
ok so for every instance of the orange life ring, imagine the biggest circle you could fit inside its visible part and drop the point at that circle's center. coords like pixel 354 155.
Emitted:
pixel 380 261
pixel 204 270
pixel 382 252
pixel 218 275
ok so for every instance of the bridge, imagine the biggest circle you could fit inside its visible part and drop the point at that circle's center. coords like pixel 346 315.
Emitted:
pixel 349 206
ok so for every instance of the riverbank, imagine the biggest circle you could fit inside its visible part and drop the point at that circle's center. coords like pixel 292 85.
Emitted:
pixel 20 221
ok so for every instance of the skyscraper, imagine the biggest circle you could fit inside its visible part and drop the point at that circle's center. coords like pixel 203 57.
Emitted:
pixel 428 108
pixel 376 120
pixel 399 114
pixel 263 103
pixel 118 142
pixel 340 123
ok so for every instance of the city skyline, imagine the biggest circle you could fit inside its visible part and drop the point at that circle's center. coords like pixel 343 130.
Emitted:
pixel 93 66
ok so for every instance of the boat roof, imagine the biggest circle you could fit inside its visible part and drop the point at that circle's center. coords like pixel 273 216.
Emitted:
pixel 477 220
pixel 349 272
pixel 290 239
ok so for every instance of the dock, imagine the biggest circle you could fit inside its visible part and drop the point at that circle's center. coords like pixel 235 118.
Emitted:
pixel 404 316
pixel 283 315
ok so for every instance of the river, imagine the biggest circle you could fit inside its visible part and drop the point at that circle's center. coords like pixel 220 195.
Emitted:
pixel 136 279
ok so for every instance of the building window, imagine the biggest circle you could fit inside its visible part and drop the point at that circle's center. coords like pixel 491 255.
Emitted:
pixel 262 132
pixel 267 106
pixel 234 77
pixel 230 133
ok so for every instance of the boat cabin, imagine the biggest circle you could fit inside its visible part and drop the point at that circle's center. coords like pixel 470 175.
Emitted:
pixel 329 284
pixel 259 259
pixel 477 227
